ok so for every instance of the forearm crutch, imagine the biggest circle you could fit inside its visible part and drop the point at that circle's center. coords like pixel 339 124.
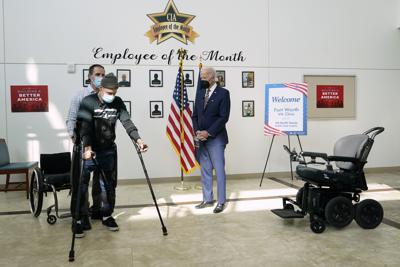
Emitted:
pixel 78 200
pixel 164 229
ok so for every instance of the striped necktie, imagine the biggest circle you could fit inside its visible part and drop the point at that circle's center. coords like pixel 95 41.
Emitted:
pixel 206 97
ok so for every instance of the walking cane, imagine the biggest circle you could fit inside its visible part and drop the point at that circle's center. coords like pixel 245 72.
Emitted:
pixel 164 229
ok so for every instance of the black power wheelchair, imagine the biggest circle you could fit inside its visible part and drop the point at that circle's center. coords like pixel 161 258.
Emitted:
pixel 328 194
pixel 53 176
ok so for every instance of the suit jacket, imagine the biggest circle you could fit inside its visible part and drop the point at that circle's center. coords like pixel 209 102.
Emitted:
pixel 215 115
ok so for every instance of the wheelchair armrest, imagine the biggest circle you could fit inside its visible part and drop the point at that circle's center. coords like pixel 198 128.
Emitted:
pixel 314 155
pixel 345 159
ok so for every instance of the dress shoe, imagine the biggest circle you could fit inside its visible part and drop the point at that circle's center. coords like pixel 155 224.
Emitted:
pixel 219 208
pixel 204 204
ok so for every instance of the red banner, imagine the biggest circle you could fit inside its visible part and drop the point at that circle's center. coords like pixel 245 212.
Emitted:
pixel 329 96
pixel 29 98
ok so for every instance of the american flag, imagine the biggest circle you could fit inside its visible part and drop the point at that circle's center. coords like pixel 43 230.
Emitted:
pixel 180 127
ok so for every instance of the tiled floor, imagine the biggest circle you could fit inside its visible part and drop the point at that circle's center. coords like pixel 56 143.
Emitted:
pixel 245 234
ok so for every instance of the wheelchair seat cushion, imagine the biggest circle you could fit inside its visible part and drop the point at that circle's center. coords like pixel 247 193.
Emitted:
pixel 328 178
pixel 312 175
pixel 58 180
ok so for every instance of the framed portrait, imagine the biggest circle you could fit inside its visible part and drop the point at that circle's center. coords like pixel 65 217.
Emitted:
pixel 188 78
pixel 128 107
pixel 124 77
pixel 221 77
pixel 156 78
pixel 248 108
pixel 248 79
pixel 331 96
pixel 85 78
pixel 156 109
pixel 191 105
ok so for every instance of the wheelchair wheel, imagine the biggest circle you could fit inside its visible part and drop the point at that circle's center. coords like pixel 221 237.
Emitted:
pixel 51 219
pixel 299 197
pixel 36 192
pixel 339 212
pixel 317 226
pixel 369 214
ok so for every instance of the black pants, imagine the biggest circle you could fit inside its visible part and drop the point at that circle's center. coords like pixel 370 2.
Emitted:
pixel 103 191
pixel 75 173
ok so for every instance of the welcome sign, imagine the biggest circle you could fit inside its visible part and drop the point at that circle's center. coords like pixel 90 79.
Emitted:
pixel 286 109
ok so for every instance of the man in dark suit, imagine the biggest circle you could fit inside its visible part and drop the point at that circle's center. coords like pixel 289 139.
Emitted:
pixel 210 115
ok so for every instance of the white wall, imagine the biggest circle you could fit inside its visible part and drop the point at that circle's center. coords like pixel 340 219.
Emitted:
pixel 398 14
pixel 281 39
pixel 3 128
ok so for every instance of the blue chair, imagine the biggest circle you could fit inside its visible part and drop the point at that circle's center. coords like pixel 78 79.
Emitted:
pixel 7 168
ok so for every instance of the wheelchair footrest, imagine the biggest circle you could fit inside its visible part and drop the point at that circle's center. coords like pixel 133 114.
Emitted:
pixel 288 213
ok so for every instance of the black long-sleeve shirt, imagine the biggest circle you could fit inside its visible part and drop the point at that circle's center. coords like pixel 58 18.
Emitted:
pixel 98 120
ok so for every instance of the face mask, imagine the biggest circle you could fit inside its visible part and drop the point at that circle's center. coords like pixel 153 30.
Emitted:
pixel 97 81
pixel 204 84
pixel 107 98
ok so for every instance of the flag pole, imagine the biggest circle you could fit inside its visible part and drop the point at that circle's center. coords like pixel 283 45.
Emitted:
pixel 198 186
pixel 182 52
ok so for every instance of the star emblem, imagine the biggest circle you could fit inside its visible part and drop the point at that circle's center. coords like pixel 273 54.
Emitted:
pixel 171 24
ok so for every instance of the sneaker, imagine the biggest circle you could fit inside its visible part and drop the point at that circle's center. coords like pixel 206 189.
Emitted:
pixel 86 223
pixel 78 230
pixel 110 224
pixel 95 214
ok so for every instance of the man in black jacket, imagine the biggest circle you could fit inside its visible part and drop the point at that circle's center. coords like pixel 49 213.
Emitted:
pixel 98 115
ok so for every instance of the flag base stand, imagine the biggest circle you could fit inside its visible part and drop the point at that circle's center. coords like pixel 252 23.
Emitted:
pixel 182 187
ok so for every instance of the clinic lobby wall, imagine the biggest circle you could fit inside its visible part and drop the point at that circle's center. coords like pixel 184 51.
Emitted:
pixel 281 41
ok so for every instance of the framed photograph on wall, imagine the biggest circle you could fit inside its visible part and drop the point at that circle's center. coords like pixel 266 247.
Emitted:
pixel 124 77
pixel 156 78
pixel 221 77
pixel 248 108
pixel 331 96
pixel 128 107
pixel 248 79
pixel 156 109
pixel 188 78
pixel 85 78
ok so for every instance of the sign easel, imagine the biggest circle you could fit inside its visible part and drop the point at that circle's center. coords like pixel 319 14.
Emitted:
pixel 285 114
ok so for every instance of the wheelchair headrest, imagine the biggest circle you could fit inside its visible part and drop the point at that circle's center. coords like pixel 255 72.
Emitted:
pixel 354 146
pixel 55 163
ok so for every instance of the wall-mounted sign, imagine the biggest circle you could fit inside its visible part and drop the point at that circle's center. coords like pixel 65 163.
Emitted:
pixel 29 98
pixel 171 24
pixel 329 96
pixel 286 109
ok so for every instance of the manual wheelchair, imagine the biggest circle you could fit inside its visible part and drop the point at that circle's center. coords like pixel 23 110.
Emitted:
pixel 328 194
pixel 53 176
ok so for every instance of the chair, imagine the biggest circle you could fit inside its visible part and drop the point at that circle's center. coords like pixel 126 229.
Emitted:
pixel 7 168
pixel 328 194
pixel 53 176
